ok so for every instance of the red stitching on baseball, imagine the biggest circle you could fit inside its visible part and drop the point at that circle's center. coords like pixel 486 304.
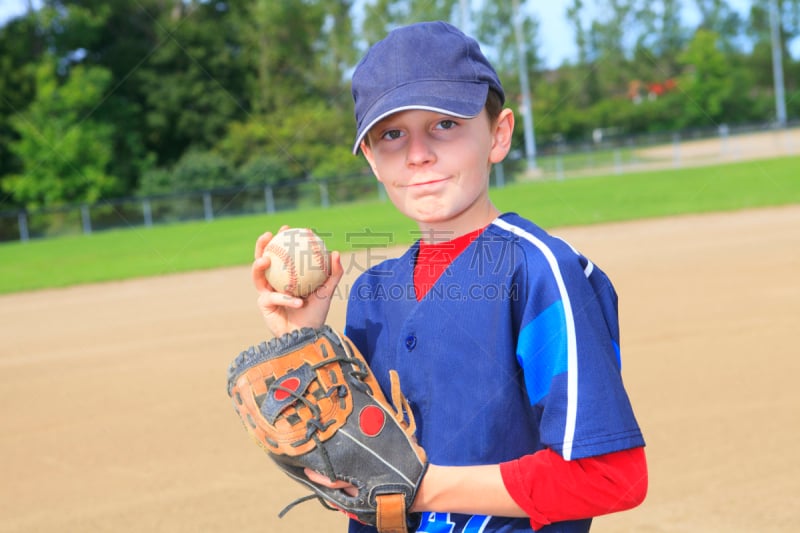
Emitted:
pixel 316 251
pixel 288 264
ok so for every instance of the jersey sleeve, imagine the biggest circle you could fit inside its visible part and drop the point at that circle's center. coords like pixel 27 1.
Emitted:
pixel 568 349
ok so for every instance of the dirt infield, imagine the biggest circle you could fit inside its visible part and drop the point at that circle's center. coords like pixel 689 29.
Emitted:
pixel 725 149
pixel 116 418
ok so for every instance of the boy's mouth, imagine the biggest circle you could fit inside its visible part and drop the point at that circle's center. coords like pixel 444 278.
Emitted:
pixel 427 181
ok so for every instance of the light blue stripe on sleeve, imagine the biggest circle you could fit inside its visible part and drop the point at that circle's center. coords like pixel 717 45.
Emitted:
pixel 542 350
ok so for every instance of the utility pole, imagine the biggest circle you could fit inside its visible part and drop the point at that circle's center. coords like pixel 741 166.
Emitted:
pixel 465 17
pixel 526 108
pixel 777 63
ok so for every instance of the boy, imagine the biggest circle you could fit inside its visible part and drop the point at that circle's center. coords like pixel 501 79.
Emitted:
pixel 505 338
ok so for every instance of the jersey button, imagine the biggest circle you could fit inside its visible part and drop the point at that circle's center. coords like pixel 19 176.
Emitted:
pixel 411 342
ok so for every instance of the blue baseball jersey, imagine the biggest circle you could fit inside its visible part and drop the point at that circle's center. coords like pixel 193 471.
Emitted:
pixel 514 349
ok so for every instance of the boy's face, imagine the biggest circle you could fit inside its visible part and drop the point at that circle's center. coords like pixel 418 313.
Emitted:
pixel 436 167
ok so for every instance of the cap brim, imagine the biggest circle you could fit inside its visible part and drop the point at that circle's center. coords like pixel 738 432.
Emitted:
pixel 456 98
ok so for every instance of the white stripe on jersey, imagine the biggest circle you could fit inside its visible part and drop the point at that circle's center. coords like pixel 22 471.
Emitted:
pixel 589 265
pixel 572 352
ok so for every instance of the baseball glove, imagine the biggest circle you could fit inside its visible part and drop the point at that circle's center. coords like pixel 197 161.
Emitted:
pixel 309 399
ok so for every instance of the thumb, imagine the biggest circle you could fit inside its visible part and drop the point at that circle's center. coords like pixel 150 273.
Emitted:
pixel 327 289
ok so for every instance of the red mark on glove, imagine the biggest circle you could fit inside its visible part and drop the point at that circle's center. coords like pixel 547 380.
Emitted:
pixel 290 383
pixel 371 420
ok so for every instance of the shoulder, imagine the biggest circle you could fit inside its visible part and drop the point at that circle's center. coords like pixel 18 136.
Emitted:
pixel 530 238
pixel 544 256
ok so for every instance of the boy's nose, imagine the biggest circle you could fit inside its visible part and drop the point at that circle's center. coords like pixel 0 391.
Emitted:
pixel 420 151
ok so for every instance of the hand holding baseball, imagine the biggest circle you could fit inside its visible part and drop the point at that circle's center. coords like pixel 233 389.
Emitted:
pixel 299 262
pixel 295 277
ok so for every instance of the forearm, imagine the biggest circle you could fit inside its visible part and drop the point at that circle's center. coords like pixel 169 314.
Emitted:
pixel 465 489
pixel 549 488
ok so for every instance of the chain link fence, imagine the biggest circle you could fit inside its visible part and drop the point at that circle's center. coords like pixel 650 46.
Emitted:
pixel 176 208
pixel 605 154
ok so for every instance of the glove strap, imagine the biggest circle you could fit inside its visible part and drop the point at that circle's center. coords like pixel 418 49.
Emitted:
pixel 401 407
pixel 391 513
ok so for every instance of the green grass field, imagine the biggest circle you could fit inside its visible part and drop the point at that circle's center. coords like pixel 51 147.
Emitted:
pixel 138 252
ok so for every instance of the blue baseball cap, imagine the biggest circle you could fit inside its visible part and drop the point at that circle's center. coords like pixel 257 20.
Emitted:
pixel 431 66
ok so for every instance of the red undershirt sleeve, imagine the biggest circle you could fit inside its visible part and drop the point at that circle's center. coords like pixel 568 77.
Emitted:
pixel 550 489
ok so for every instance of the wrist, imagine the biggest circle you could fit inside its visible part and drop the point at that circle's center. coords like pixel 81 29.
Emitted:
pixel 425 490
pixel 465 489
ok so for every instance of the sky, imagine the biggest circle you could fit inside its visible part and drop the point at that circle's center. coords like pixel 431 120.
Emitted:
pixel 556 41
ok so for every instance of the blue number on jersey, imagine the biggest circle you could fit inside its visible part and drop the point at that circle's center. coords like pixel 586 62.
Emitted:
pixel 441 523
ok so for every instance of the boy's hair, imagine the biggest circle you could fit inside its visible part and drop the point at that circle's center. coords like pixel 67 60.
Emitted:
pixel 429 65
pixel 494 105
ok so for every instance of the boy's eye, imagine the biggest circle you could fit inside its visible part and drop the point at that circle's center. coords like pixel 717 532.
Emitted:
pixel 446 124
pixel 392 134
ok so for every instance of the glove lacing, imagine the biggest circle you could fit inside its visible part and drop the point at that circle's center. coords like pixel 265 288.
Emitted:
pixel 401 412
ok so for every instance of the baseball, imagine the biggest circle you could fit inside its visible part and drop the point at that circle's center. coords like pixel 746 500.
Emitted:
pixel 299 262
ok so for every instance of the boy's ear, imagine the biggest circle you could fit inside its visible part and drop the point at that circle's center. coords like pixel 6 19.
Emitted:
pixel 501 136
pixel 367 151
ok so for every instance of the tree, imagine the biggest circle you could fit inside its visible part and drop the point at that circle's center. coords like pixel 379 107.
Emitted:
pixel 574 14
pixel 582 72
pixel 759 31
pixel 20 48
pixel 199 171
pixel 278 45
pixel 707 84
pixel 293 51
pixel 663 39
pixel 65 152
pixel 381 16
pixel 114 36
pixel 718 16
pixel 192 82
pixel 495 32
pixel 263 170
pixel 509 36
pixel 610 41
pixel 301 117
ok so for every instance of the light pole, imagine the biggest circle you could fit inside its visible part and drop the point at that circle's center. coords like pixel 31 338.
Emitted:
pixel 777 62
pixel 465 17
pixel 526 108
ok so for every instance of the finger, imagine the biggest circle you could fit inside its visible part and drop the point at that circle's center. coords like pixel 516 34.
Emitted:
pixel 263 240
pixel 337 269
pixel 261 243
pixel 271 299
pixel 318 478
pixel 258 271
pixel 321 479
